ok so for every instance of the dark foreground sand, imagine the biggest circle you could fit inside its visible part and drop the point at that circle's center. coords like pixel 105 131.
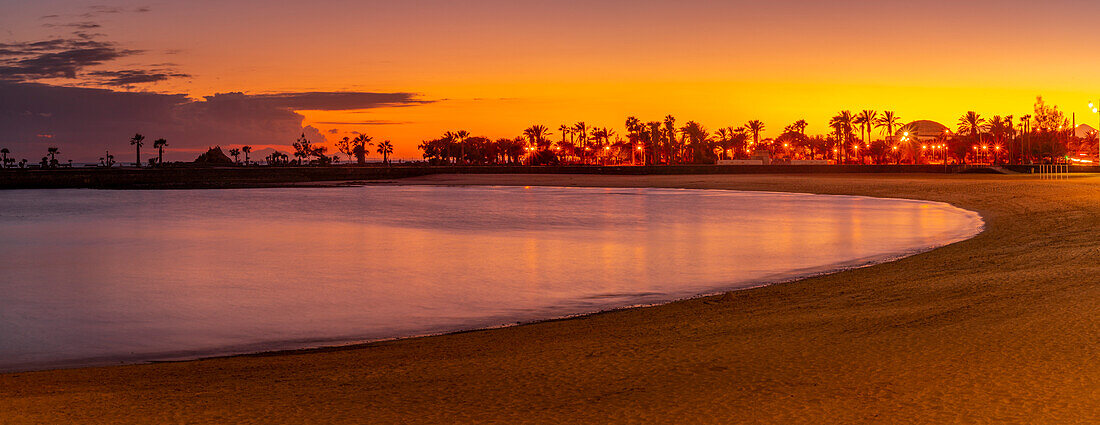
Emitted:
pixel 1003 328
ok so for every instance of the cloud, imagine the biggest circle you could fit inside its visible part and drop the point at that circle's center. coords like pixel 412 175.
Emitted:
pixel 321 101
pixel 365 122
pixel 80 57
pixel 86 25
pixel 86 121
pixel 133 76
pixel 55 58
pixel 97 10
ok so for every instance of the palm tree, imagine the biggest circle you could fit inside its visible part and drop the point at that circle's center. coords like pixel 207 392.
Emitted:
pixel 866 119
pixel 800 127
pixel 385 148
pixel 536 135
pixel 581 130
pixel 755 127
pixel 159 145
pixel 360 150
pixel 566 131
pixel 460 137
pixel 247 150
pixel 654 131
pixel 670 135
pixel 887 122
pixel 137 141
pixel 842 127
pixel 973 124
pixel 699 138
pixel 1025 131
pixel 53 152
pixel 5 152
pixel 236 155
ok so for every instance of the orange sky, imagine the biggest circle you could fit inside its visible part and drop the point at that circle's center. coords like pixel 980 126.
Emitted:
pixel 496 67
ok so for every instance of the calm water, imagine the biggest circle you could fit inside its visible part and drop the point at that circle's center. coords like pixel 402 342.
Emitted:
pixel 102 277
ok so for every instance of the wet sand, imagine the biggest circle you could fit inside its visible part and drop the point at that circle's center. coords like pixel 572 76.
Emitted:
pixel 1002 328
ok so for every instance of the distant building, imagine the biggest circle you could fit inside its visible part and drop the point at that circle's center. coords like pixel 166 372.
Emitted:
pixel 214 156
pixel 1084 131
pixel 923 130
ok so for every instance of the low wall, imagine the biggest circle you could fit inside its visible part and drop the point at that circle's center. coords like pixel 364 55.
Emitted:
pixel 194 178
pixel 231 177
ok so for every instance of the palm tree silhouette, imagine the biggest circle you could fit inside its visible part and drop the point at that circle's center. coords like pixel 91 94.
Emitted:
pixel 536 135
pixel 581 130
pixel 670 134
pixel 361 142
pixel 247 150
pixel 460 137
pixel 653 130
pixel 5 152
pixel 159 145
pixel 137 141
pixel 385 148
pixel 236 153
pixel 755 127
pixel 973 124
pixel 842 126
pixel 887 122
pixel 566 131
pixel 52 152
pixel 866 119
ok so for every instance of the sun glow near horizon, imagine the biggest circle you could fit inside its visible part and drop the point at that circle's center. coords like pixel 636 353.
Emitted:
pixel 494 68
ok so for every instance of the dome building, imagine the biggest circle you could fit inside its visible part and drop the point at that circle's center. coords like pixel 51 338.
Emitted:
pixel 923 130
pixel 1084 131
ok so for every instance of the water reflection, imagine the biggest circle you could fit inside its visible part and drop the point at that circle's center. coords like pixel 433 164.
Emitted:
pixel 94 277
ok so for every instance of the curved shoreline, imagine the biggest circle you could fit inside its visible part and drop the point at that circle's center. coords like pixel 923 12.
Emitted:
pixel 546 313
pixel 995 328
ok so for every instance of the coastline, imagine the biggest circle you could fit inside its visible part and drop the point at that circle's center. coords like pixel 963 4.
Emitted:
pixel 328 343
pixel 964 331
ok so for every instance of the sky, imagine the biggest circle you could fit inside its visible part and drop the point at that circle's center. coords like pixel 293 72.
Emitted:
pixel 86 75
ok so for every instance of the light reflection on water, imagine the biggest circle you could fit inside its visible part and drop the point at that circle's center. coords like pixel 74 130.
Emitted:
pixel 102 277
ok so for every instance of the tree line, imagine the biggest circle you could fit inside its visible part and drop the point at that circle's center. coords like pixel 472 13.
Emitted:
pixel 863 137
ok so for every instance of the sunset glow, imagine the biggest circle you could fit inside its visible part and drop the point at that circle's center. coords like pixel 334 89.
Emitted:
pixel 496 67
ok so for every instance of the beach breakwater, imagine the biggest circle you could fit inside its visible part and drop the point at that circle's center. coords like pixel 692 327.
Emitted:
pixel 256 176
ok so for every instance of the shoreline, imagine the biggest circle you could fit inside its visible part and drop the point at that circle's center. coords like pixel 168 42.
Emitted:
pixel 998 328
pixel 323 344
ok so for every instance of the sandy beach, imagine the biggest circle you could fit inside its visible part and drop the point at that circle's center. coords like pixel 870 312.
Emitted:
pixel 1001 328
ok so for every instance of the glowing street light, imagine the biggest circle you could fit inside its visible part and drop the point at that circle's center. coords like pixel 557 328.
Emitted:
pixel 1096 110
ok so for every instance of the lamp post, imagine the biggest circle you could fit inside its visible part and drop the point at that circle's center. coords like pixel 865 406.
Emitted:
pixel 1096 110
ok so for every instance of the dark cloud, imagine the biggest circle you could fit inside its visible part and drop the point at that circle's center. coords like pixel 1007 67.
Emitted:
pixel 321 101
pixel 86 25
pixel 85 121
pixel 56 58
pixel 98 10
pixel 366 122
pixel 72 57
pixel 131 77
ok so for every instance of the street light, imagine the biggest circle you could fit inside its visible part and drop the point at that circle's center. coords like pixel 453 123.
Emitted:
pixel 1096 110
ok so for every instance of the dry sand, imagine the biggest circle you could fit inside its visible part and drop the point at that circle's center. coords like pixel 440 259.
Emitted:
pixel 1003 328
